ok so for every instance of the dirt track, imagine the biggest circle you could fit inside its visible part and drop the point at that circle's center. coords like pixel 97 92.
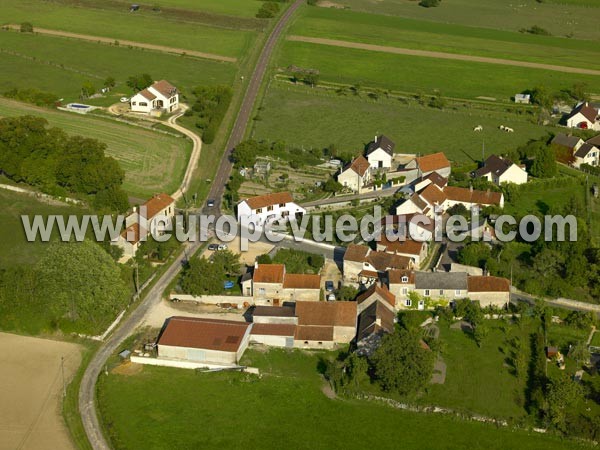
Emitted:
pixel 105 40
pixel 31 392
pixel 441 55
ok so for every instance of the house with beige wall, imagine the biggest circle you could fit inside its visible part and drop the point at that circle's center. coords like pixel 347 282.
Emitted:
pixel 356 176
pixel 271 284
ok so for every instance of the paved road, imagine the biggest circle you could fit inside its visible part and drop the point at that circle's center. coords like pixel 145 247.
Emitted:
pixel 442 55
pixel 87 391
pixel 241 122
pixel 125 43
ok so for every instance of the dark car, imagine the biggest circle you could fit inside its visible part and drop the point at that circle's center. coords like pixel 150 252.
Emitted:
pixel 210 203
pixel 329 286
pixel 213 247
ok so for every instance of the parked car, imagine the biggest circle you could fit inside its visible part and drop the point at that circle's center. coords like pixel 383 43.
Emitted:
pixel 222 247
pixel 331 297
pixel 329 286
pixel 210 203
pixel 124 100
pixel 213 247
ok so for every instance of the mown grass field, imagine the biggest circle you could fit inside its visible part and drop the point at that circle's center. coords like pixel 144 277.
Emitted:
pixel 543 198
pixel 153 162
pixel 560 17
pixel 244 8
pixel 285 408
pixel 423 35
pixel 308 117
pixel 61 65
pixel 414 73
pixel 124 25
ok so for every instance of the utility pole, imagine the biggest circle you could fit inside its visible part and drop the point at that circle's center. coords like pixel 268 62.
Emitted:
pixel 62 370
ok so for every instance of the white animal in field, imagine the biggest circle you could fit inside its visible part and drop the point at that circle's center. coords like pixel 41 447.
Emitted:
pixel 478 128
pixel 502 127
pixel 509 130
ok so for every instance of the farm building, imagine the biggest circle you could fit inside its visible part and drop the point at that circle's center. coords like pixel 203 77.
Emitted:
pixel 373 322
pixel 416 250
pixel 363 266
pixel 271 284
pixel 273 334
pixel 524 99
pixel 162 96
pixel 324 324
pixel 489 291
pixel 436 162
pixel 211 341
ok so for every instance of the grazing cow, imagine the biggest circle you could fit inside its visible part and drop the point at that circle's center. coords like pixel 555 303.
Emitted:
pixel 509 130
pixel 502 127
pixel 478 128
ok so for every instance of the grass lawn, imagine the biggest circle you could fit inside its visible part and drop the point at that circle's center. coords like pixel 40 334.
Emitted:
pixel 560 17
pixel 285 408
pixel 423 35
pixel 477 379
pixel 153 162
pixel 543 198
pixel 124 25
pixel 452 78
pixel 288 114
pixel 61 65
pixel 596 339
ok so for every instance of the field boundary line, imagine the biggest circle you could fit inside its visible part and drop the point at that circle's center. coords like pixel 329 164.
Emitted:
pixel 127 43
pixel 440 55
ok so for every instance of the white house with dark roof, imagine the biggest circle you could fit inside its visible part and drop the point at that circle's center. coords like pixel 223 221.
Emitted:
pixel 586 154
pixel 356 175
pixel 380 153
pixel 500 170
pixel 584 117
pixel 276 206
pixel 162 96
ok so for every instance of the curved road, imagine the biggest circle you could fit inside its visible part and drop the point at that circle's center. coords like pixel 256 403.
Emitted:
pixel 87 390
pixel 241 122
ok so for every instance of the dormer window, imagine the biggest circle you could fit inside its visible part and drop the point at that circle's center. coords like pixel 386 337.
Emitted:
pixel 405 279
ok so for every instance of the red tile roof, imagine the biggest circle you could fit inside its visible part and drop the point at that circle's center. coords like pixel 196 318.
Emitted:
pixel 437 179
pixel 341 314
pixel 465 195
pixel 383 261
pixel 210 334
pixel 273 329
pixel 433 195
pixel 586 110
pixel 269 273
pixel 360 165
pixel 165 88
pixel 488 284
pixel 356 253
pixel 382 291
pixel 432 162
pixel 155 205
pixel 314 333
pixel 407 246
pixel 395 276
pixel 301 281
pixel 276 198
pixel 147 94
pixel 136 230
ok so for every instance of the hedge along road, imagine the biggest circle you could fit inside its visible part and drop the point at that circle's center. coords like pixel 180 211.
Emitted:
pixel 105 40
pixel 440 55
pixel 87 389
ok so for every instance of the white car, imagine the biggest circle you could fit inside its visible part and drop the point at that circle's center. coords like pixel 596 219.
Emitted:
pixel 222 247
pixel 124 100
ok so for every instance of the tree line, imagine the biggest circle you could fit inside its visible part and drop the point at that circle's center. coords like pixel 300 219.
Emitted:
pixel 59 164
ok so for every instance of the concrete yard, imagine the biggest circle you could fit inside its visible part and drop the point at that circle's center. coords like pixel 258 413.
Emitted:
pixel 31 386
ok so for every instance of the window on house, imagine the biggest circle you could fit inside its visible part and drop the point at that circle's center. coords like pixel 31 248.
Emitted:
pixel 441 292
pixel 143 104
pixel 408 302
pixel 133 103
pixel 426 292
pixel 405 279
pixel 269 208
pixel 259 210
pixel 282 205
pixel 457 292
pixel 262 291
pixel 320 343
pixel 404 291
pixel 305 342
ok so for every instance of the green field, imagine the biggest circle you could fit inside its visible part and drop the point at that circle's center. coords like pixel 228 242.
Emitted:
pixel 61 65
pixel 16 250
pixel 244 8
pixel 543 198
pixel 289 114
pixel 413 73
pixel 285 408
pixel 124 25
pixel 560 17
pixel 418 34
pixel 153 162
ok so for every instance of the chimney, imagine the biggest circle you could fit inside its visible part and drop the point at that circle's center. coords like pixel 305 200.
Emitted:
pixel 378 321
pixel 471 187
pixel 256 264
